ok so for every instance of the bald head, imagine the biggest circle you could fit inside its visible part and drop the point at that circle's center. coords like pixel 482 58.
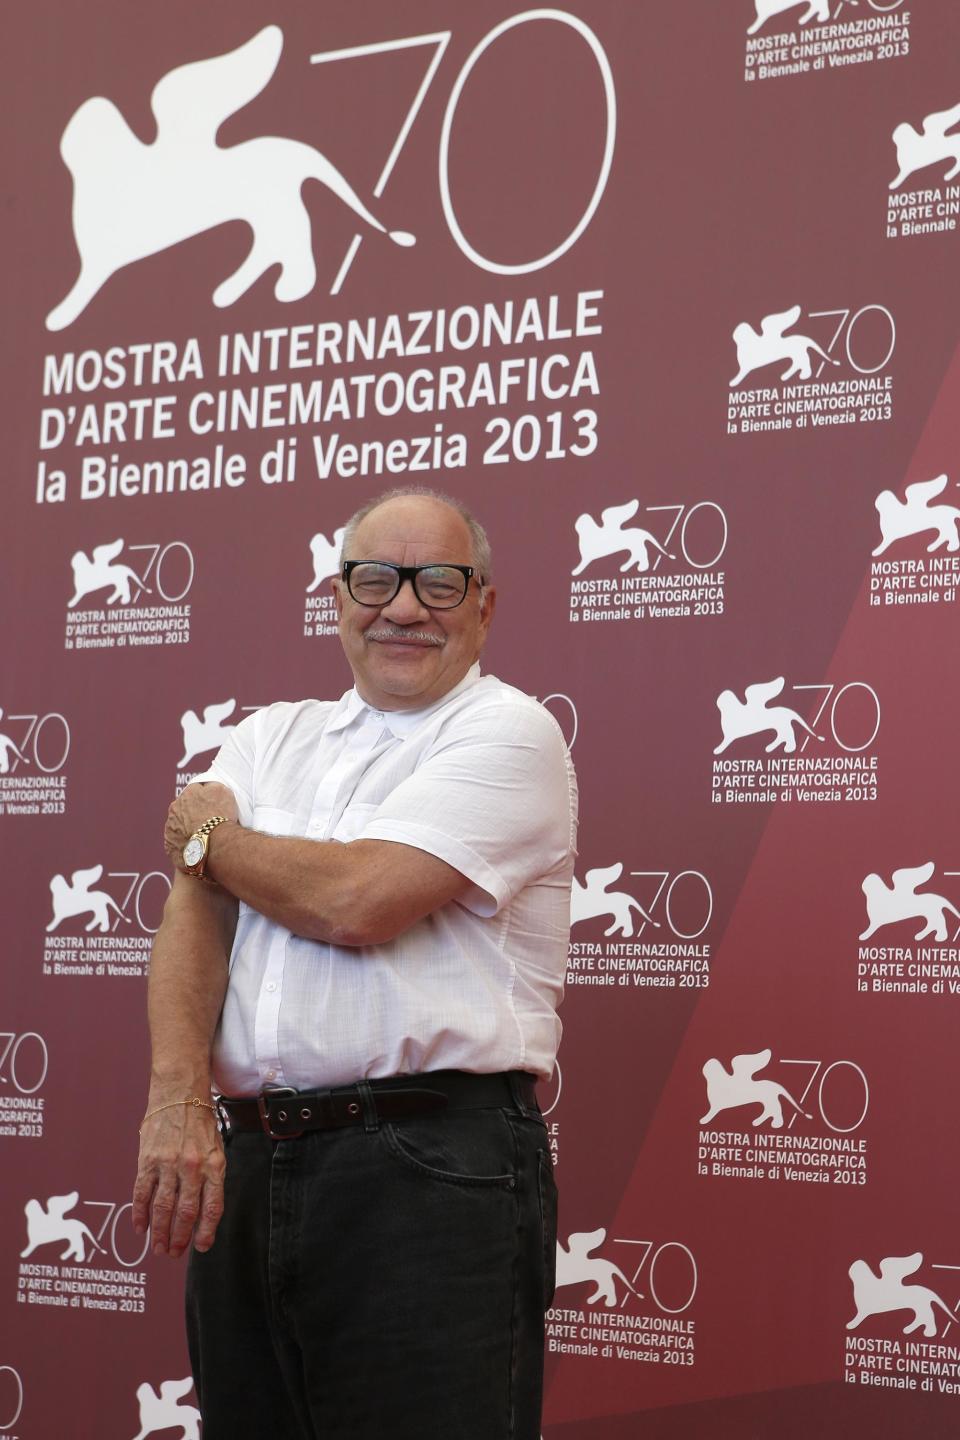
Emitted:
pixel 478 548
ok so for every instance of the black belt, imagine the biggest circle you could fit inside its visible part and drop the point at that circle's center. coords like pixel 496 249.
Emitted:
pixel 285 1114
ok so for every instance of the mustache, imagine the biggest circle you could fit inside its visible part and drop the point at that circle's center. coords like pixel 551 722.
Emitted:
pixel 399 633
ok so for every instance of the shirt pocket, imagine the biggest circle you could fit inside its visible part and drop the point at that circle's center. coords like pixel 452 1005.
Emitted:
pixel 272 820
pixel 352 821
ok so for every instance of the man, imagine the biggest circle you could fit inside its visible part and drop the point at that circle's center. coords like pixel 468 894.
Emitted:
pixel 372 980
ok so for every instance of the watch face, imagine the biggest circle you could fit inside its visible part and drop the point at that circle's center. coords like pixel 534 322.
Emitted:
pixel 193 851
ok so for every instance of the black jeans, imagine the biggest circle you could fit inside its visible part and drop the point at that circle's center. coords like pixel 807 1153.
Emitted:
pixel 386 1283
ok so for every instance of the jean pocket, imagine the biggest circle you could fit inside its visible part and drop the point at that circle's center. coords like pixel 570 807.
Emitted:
pixel 472 1147
pixel 547 1190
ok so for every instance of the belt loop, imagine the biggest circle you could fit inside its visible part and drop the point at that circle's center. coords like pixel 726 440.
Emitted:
pixel 516 1091
pixel 371 1120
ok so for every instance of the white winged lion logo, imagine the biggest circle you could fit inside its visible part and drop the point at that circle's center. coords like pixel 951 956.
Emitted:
pixel 881 1294
pixel 131 200
pixel 611 536
pixel 100 571
pixel 936 140
pixel 206 732
pixel 594 898
pixel 161 1410
pixel 51 1225
pixel 577 1265
pixel 729 1089
pixel 771 344
pixel 818 10
pixel 77 898
pixel 326 556
pixel 914 514
pixel 903 900
pixel 754 715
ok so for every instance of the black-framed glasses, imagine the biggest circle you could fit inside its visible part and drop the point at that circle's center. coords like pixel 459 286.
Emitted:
pixel 376 582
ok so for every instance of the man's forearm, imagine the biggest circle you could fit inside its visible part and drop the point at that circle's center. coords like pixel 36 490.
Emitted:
pixel 313 888
pixel 188 979
pixel 179 1187
pixel 361 893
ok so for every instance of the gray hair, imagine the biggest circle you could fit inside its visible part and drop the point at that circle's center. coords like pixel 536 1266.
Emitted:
pixel 478 536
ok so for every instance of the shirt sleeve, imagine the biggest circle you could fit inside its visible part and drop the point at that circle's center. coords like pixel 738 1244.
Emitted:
pixel 234 765
pixel 494 798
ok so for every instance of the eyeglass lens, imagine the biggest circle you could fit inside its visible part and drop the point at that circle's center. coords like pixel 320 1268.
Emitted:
pixel 438 586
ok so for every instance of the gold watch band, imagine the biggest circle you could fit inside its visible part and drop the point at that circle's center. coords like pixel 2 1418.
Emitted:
pixel 211 824
pixel 203 833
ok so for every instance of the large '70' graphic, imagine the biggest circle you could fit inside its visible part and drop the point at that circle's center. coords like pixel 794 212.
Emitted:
pixel 41 740
pixel 439 41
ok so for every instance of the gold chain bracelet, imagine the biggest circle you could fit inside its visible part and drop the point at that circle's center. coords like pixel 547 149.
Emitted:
pixel 196 1102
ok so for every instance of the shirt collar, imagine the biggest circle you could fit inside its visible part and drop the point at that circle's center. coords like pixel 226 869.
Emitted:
pixel 400 723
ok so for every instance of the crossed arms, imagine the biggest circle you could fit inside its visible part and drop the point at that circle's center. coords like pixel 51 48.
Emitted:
pixel 361 893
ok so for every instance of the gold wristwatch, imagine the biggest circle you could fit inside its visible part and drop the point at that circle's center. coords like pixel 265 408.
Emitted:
pixel 194 854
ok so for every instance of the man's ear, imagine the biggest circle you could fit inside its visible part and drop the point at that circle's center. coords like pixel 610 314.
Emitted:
pixel 488 601
pixel 337 595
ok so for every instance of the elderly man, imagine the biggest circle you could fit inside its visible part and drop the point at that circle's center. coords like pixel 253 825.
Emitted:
pixel 370 986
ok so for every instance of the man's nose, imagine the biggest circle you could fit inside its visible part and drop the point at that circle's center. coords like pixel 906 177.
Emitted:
pixel 405 608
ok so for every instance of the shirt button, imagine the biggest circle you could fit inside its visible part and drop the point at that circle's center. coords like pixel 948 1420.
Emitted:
pixel 271 986
pixel 271 1074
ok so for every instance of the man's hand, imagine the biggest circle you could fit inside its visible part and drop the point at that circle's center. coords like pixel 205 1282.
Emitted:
pixel 197 803
pixel 179 1186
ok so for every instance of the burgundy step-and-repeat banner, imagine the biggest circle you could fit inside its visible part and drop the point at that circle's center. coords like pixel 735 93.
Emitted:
pixel 667 293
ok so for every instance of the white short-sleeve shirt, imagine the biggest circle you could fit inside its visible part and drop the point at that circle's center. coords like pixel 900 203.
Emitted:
pixel 483 780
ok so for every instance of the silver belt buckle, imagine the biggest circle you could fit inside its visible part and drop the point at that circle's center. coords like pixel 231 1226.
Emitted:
pixel 276 1094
